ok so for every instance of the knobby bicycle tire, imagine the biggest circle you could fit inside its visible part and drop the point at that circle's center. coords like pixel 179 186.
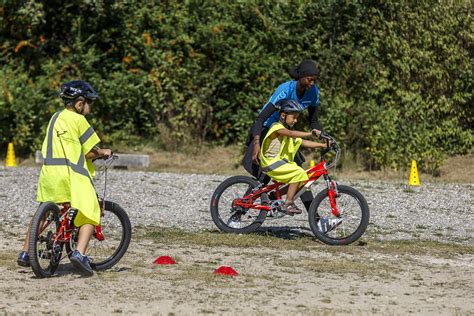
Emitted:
pixel 114 209
pixel 357 201
pixel 217 211
pixel 39 243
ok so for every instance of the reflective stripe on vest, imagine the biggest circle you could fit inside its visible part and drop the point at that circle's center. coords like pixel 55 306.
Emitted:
pixel 275 165
pixel 87 134
pixel 50 161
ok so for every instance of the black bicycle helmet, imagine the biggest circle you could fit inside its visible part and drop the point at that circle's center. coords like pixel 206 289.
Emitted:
pixel 72 90
pixel 289 106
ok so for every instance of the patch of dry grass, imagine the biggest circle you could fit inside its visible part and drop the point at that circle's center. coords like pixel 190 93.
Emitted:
pixel 218 239
pixel 227 160
pixel 421 247
pixel 305 243
pixel 216 160
pixel 355 265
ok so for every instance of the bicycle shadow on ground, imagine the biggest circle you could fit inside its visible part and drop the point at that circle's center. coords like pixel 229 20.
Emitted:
pixel 285 232
pixel 62 270
pixel 67 269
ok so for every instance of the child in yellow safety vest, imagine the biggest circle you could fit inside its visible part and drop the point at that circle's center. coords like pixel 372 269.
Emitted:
pixel 279 148
pixel 66 175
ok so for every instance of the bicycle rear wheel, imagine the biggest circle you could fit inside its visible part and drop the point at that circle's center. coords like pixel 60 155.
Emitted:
pixel 117 232
pixel 236 219
pixel 44 252
pixel 349 226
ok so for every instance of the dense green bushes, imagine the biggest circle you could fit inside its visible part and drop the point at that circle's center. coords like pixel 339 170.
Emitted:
pixel 396 78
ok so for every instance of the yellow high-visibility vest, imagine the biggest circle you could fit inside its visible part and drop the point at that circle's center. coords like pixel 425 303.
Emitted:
pixel 282 167
pixel 66 175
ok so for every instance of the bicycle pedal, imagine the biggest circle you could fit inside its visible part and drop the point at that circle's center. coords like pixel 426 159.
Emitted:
pixel 71 214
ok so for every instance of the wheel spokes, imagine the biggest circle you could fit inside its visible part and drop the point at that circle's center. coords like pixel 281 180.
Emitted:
pixel 350 213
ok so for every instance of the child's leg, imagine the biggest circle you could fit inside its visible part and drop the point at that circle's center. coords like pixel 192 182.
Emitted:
pixel 292 188
pixel 27 236
pixel 78 257
pixel 25 243
pixel 23 258
pixel 85 233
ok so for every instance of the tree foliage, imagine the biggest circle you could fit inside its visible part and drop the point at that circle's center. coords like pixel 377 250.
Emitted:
pixel 396 77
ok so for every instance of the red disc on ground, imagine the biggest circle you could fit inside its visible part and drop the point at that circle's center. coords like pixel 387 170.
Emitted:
pixel 164 260
pixel 226 270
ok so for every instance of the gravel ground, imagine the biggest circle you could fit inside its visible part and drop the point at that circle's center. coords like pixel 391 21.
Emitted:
pixel 441 212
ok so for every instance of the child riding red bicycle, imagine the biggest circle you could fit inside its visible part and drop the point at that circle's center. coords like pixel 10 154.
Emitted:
pixel 278 151
pixel 337 215
pixel 68 149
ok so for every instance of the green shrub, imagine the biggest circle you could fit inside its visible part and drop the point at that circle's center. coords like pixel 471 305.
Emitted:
pixel 396 78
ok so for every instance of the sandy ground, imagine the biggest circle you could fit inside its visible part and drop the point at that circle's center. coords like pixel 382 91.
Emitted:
pixel 319 280
pixel 378 277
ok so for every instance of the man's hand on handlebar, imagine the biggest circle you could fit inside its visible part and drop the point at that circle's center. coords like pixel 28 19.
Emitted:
pixel 316 132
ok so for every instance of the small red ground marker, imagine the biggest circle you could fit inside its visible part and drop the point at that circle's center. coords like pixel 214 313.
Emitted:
pixel 164 260
pixel 226 270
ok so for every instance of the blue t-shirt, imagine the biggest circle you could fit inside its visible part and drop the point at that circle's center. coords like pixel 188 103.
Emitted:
pixel 287 90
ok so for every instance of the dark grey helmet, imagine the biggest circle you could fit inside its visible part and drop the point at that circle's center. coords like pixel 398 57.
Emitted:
pixel 72 90
pixel 289 106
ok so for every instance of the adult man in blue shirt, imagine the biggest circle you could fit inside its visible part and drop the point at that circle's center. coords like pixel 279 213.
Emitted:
pixel 303 89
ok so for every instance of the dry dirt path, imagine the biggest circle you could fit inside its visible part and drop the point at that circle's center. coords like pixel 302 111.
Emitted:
pixel 405 264
pixel 276 276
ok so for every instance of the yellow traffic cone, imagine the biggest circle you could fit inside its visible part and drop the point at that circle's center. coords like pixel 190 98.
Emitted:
pixel 413 180
pixel 10 161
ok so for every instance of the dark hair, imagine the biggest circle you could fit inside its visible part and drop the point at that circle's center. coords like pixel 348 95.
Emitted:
pixel 305 69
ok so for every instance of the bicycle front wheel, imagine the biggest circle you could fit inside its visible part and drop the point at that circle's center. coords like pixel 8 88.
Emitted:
pixel 44 252
pixel 236 219
pixel 117 232
pixel 342 230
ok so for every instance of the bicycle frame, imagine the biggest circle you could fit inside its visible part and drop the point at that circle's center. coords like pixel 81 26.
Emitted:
pixel 66 226
pixel 314 173
pixel 64 232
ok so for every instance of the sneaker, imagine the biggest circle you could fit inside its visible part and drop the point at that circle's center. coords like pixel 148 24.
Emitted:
pixel 326 225
pixel 290 209
pixel 23 259
pixel 82 263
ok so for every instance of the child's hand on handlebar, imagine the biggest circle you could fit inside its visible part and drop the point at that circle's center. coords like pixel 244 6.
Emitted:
pixel 105 153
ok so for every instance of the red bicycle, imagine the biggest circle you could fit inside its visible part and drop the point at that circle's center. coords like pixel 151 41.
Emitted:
pixel 338 215
pixel 52 230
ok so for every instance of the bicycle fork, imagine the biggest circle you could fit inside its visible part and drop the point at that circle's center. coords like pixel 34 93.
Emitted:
pixel 98 229
pixel 332 194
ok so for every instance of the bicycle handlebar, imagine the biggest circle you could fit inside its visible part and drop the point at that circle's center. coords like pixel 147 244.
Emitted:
pixel 325 136
pixel 331 146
